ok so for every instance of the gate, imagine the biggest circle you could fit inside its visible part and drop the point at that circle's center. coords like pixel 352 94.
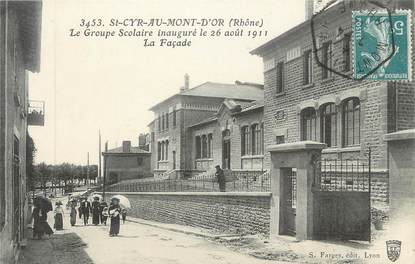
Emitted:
pixel 289 201
pixel 342 199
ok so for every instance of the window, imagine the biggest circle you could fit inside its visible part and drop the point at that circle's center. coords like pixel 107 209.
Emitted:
pixel 280 77
pixel 308 123
pixel 166 155
pixel 162 150
pixel 262 138
pixel 198 147
pixel 152 136
pixel 351 122
pixel 159 123
pixel 158 151
pixel 162 121
pixel 204 146
pixel 167 120
pixel 279 139
pixel 326 60
pixel 174 117
pixel 210 144
pixel 245 142
pixel 308 68
pixel 329 124
pixel 256 140
pixel 346 52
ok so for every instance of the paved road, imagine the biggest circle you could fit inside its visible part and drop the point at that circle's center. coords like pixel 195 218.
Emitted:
pixel 136 244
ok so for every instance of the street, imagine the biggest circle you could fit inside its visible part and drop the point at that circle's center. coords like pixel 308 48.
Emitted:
pixel 136 244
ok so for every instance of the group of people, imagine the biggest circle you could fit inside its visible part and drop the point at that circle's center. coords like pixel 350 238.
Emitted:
pixel 100 212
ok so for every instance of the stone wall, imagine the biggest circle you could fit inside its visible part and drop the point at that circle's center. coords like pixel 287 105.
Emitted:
pixel 247 213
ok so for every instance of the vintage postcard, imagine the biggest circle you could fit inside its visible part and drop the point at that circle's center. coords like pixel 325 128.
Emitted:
pixel 196 131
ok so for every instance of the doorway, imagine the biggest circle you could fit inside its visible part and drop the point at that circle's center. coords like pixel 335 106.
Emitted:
pixel 226 149
pixel 289 201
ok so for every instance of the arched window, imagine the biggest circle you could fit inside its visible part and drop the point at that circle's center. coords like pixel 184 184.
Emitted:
pixel 158 151
pixel 308 124
pixel 198 149
pixel 162 150
pixel 204 146
pixel 351 122
pixel 328 121
pixel 166 156
pixel 210 144
pixel 256 139
pixel 245 141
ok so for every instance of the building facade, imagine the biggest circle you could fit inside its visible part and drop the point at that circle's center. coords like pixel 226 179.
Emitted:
pixel 178 120
pixel 304 101
pixel 126 163
pixel 20 23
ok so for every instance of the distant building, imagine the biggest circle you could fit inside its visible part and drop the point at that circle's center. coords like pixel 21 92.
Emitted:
pixel 201 127
pixel 20 34
pixel 126 163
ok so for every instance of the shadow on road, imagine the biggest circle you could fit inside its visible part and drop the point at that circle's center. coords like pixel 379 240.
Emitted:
pixel 60 248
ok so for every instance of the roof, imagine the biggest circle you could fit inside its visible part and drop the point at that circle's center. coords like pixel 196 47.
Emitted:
pixel 252 106
pixel 238 91
pixel 261 49
pixel 235 107
pixel 205 121
pixel 133 150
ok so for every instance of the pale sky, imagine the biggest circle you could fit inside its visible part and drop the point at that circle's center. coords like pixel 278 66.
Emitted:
pixel 110 84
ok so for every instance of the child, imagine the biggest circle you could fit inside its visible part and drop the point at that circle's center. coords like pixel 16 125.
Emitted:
pixel 124 215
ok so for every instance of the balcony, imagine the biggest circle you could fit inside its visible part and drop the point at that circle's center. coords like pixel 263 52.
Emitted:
pixel 36 113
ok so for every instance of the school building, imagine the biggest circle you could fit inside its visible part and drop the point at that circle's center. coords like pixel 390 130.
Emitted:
pixel 208 125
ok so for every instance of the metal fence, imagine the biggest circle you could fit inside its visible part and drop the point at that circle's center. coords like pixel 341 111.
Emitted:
pixel 236 181
pixel 344 175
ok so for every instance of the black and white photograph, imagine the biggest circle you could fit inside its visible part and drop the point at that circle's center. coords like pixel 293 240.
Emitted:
pixel 207 131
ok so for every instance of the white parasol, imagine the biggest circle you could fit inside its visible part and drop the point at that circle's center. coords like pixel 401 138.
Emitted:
pixel 123 201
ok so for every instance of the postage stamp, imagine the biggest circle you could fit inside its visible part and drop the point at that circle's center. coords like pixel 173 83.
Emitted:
pixel 382 45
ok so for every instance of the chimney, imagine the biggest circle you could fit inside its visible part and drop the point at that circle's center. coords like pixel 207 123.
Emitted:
pixel 186 81
pixel 126 146
pixel 309 9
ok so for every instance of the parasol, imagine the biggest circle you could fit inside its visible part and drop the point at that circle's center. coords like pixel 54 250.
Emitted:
pixel 43 202
pixel 123 201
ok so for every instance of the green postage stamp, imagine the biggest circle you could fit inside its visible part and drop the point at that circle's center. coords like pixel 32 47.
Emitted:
pixel 382 45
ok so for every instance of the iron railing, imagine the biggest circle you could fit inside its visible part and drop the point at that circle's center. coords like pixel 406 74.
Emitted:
pixel 346 175
pixel 236 181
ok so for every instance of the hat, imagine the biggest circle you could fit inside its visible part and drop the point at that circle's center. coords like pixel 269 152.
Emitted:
pixel 217 166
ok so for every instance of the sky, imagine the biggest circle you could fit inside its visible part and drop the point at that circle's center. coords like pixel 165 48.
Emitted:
pixel 91 84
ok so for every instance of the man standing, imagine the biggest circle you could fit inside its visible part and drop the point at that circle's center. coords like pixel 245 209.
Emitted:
pixel 85 210
pixel 220 176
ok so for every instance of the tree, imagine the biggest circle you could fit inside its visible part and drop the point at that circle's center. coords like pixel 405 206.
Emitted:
pixel 30 156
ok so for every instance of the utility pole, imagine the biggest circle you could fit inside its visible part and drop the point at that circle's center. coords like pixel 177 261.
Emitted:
pixel 99 157
pixel 105 171
pixel 87 171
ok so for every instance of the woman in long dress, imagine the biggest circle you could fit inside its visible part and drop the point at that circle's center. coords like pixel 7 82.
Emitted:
pixel 37 226
pixel 95 211
pixel 73 214
pixel 58 216
pixel 40 224
pixel 114 212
